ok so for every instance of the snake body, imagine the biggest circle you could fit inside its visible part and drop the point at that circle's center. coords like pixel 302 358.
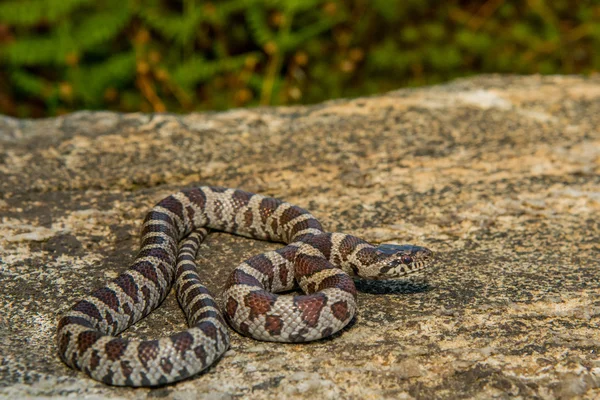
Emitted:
pixel 319 262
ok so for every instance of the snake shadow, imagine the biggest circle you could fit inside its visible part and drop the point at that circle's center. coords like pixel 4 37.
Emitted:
pixel 391 286
pixel 409 286
pixel 382 287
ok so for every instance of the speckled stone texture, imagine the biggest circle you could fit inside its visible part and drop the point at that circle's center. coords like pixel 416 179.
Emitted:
pixel 499 175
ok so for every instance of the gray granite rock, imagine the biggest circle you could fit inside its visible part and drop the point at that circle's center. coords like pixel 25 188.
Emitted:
pixel 499 175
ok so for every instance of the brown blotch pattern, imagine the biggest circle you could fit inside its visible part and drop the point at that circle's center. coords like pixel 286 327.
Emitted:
pixel 231 306
pixel 196 197
pixel 146 295
pixel 322 243
pixel 267 206
pixel 64 321
pixel 108 297
pixel 190 214
pixel 276 228
pixel 209 329
pixel 148 351
pixel 248 218
pixel 172 204
pixel 309 265
pixel 273 324
pixel 306 224
pixel 166 365
pixel 218 210
pixel 263 265
pixel 147 270
pixel 115 349
pixel 126 368
pixel 244 328
pixel 240 199
pixel 340 281
pixel 367 255
pixel 259 303
pixel 109 321
pixel 347 246
pixel 311 307
pixel 242 278
pixel 94 360
pixel 340 310
pixel 86 339
pixel 283 275
pixel 200 354
pixel 290 213
pixel 127 285
pixel 182 341
pixel 88 309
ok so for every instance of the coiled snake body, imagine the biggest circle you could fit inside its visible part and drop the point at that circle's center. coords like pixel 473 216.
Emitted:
pixel 319 262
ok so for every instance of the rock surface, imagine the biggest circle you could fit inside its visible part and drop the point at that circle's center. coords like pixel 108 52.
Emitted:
pixel 499 175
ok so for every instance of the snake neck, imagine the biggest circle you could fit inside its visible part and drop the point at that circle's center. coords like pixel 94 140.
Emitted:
pixel 350 253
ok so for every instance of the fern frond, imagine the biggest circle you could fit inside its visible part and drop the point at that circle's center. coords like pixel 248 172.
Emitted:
pixel 91 82
pixel 258 25
pixel 226 8
pixel 295 39
pixel 28 83
pixel 31 12
pixel 100 27
pixel 51 50
pixel 294 6
pixel 197 69
pixel 181 28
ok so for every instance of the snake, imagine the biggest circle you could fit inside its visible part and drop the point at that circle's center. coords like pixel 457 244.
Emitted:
pixel 322 264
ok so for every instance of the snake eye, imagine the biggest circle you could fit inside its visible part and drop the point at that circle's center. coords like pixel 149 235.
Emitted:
pixel 407 259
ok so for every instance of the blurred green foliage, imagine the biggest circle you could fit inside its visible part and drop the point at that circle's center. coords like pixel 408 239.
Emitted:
pixel 58 56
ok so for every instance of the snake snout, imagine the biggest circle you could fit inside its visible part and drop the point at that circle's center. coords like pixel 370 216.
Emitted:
pixel 426 253
pixel 398 261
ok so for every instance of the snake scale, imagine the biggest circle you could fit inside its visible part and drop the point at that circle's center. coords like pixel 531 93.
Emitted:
pixel 321 263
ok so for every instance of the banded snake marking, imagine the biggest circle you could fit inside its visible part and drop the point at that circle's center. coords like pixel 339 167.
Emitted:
pixel 320 262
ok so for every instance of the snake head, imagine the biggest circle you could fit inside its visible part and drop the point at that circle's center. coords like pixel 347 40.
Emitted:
pixel 396 261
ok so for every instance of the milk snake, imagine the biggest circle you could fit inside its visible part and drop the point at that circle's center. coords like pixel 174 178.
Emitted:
pixel 319 262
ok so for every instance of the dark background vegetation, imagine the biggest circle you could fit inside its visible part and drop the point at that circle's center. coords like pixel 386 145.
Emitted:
pixel 58 56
